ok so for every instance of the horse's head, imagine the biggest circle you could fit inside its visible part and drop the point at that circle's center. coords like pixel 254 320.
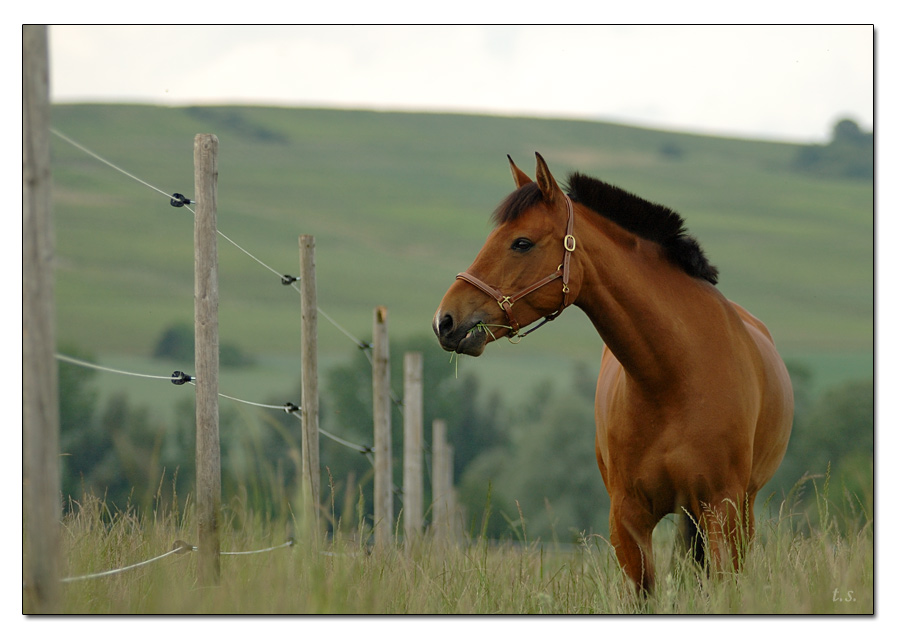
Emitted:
pixel 521 273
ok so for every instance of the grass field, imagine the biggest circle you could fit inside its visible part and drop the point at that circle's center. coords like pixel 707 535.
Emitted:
pixel 801 563
pixel 399 204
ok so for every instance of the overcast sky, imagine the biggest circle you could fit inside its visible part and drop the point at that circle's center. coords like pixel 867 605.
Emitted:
pixel 782 82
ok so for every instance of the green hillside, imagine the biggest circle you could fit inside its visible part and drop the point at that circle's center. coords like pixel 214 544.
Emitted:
pixel 399 203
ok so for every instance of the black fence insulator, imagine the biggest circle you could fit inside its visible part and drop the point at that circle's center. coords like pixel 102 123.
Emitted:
pixel 182 547
pixel 287 280
pixel 290 407
pixel 179 378
pixel 366 450
pixel 365 346
pixel 178 200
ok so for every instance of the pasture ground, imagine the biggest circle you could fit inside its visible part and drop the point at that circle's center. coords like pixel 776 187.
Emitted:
pixel 816 562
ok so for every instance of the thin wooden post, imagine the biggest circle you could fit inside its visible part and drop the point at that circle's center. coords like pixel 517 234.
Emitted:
pixel 40 403
pixel 206 340
pixel 439 485
pixel 309 315
pixel 412 445
pixel 452 518
pixel 381 395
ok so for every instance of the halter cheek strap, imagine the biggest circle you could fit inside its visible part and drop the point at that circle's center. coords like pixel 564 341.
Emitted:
pixel 506 302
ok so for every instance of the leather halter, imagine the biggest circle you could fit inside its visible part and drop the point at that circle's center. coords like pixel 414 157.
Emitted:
pixel 506 302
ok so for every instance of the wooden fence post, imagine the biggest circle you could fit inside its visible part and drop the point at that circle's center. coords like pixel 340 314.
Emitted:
pixel 40 403
pixel 309 317
pixel 440 519
pixel 452 511
pixel 206 340
pixel 381 395
pixel 412 446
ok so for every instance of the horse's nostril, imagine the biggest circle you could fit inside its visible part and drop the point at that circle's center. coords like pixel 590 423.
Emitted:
pixel 445 326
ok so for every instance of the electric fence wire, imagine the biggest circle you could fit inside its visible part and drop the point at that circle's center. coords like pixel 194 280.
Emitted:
pixel 365 450
pixel 179 378
pixel 178 201
pixel 84 364
pixel 178 548
pixel 181 547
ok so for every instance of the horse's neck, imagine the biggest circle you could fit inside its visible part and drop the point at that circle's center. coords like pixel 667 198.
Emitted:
pixel 645 309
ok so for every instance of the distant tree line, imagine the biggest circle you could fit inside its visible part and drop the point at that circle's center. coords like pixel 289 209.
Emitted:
pixel 523 471
pixel 850 154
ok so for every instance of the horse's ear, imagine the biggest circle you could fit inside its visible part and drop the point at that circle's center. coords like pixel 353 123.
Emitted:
pixel 549 188
pixel 517 173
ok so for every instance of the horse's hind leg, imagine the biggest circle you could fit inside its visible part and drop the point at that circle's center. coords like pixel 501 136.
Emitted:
pixel 729 526
pixel 692 542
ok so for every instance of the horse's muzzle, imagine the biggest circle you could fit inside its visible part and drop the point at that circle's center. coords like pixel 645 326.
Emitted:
pixel 468 338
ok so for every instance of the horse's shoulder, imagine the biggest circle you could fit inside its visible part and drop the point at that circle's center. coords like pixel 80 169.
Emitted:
pixel 751 321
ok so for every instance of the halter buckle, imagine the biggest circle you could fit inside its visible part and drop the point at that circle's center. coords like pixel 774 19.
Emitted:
pixel 569 243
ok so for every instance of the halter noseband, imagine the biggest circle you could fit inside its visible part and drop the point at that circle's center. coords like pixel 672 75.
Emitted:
pixel 506 301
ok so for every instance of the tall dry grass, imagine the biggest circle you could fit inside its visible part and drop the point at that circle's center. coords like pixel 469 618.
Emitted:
pixel 817 560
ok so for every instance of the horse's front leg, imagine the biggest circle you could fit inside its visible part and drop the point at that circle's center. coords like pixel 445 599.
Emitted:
pixel 631 534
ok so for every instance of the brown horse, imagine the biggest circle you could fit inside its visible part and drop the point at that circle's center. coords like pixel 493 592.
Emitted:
pixel 693 406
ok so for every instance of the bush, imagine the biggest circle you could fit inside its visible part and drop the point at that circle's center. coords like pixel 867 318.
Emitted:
pixel 841 424
pixel 177 343
pixel 850 154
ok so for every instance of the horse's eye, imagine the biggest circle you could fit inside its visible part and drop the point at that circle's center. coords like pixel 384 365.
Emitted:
pixel 521 244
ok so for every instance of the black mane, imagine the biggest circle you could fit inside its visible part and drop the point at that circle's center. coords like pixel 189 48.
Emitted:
pixel 645 219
